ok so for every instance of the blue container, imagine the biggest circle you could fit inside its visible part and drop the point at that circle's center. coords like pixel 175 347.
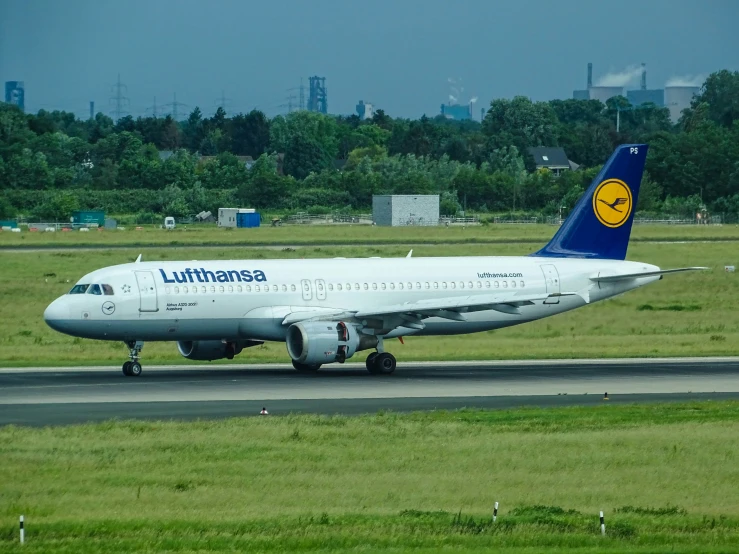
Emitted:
pixel 247 219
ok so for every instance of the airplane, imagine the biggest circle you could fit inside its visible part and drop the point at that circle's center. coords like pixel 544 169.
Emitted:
pixel 327 310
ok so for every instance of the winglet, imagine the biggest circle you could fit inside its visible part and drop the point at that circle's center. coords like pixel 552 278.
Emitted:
pixel 138 260
pixel 599 225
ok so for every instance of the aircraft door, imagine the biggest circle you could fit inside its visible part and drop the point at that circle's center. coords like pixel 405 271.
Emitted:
pixel 551 280
pixel 307 289
pixel 147 291
pixel 320 289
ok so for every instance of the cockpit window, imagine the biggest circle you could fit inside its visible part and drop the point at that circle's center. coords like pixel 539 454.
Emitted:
pixel 95 289
pixel 108 290
pixel 79 289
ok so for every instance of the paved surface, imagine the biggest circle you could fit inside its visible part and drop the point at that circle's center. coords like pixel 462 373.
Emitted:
pixel 45 396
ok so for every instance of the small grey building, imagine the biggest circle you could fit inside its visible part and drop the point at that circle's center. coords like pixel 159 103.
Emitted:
pixel 398 210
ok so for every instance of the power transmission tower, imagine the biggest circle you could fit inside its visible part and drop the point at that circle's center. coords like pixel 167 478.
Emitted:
pixel 175 107
pixel 301 89
pixel 119 99
pixel 153 109
pixel 222 102
pixel 290 103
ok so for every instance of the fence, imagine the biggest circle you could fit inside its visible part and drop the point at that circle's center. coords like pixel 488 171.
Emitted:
pixel 303 218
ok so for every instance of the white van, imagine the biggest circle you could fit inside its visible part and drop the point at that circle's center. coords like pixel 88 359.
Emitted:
pixel 169 222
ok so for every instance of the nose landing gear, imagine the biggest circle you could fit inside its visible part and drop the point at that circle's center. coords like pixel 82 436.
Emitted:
pixel 133 368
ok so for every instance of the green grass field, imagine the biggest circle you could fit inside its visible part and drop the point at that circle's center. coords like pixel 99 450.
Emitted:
pixel 665 475
pixel 683 315
pixel 341 234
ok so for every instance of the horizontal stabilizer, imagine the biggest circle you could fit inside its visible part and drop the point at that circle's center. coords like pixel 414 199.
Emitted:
pixel 629 276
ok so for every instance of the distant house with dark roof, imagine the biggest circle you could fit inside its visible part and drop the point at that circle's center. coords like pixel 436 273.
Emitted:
pixel 248 161
pixel 552 158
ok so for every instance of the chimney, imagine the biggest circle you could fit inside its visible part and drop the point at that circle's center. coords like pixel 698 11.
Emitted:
pixel 590 75
pixel 643 76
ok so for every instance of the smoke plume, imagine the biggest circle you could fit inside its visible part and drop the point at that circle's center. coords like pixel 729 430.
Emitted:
pixel 620 78
pixel 685 81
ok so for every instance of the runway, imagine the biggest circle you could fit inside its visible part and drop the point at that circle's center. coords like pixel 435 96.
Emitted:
pixel 53 396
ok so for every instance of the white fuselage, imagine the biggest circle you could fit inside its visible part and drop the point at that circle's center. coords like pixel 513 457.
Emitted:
pixel 232 300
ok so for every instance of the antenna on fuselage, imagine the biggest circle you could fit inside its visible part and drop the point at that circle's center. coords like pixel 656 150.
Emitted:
pixel 138 260
pixel 410 253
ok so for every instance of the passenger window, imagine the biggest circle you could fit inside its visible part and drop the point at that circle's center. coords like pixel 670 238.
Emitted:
pixel 177 290
pixel 212 289
pixel 95 289
pixel 284 287
pixel 469 285
pixel 203 289
pixel 79 289
pixel 522 284
pixel 461 284
pixel 292 288
pixel 487 284
pixel 366 286
pixel 230 288
pixel 184 289
pixel 221 289
pixel 330 286
pixel 275 288
pixel 497 284
pixel 436 285
pixel 247 288
pixel 256 288
pixel 338 287
pixel 107 290
pixel 443 285
pixel 505 284
pixel 418 285
pixel 374 286
pixel 427 285
pixel 453 285
pixel 238 288
pixel 400 286
pixel 392 286
pixel 195 290
pixel 383 286
pixel 266 288
pixel 479 285
pixel 167 290
pixel 348 286
pixel 513 284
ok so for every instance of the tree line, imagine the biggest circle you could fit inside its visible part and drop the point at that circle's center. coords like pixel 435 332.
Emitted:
pixel 52 163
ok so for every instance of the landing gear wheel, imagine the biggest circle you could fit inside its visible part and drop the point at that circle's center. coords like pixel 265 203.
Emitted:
pixel 383 364
pixel 306 368
pixel 135 369
pixel 127 369
pixel 370 363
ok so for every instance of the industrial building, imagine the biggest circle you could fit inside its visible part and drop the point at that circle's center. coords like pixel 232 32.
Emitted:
pixel 678 98
pixel 15 93
pixel 643 95
pixel 398 210
pixel 317 95
pixel 458 112
pixel 365 110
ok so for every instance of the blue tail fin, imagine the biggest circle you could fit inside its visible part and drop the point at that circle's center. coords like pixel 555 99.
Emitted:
pixel 600 224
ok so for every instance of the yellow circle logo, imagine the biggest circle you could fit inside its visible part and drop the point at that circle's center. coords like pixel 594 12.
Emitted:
pixel 612 203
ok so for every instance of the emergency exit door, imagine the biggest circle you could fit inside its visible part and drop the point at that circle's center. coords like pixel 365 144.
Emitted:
pixel 551 280
pixel 307 289
pixel 147 291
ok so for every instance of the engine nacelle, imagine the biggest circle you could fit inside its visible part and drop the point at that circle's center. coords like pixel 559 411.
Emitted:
pixel 324 342
pixel 208 350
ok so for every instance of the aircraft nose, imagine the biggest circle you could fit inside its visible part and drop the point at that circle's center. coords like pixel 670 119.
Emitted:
pixel 56 314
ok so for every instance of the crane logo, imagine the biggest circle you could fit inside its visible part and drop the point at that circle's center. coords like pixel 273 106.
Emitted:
pixel 612 203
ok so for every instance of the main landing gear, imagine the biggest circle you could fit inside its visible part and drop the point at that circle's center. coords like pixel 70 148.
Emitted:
pixel 132 368
pixel 381 363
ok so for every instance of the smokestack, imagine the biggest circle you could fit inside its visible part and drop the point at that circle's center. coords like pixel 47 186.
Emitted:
pixel 92 109
pixel 590 74
pixel 643 76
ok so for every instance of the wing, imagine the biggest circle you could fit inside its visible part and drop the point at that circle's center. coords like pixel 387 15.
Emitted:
pixel 411 314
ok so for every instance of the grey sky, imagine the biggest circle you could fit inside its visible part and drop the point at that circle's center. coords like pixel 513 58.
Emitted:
pixel 397 54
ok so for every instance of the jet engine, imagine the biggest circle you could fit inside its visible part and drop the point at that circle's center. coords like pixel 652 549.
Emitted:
pixel 324 342
pixel 213 349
